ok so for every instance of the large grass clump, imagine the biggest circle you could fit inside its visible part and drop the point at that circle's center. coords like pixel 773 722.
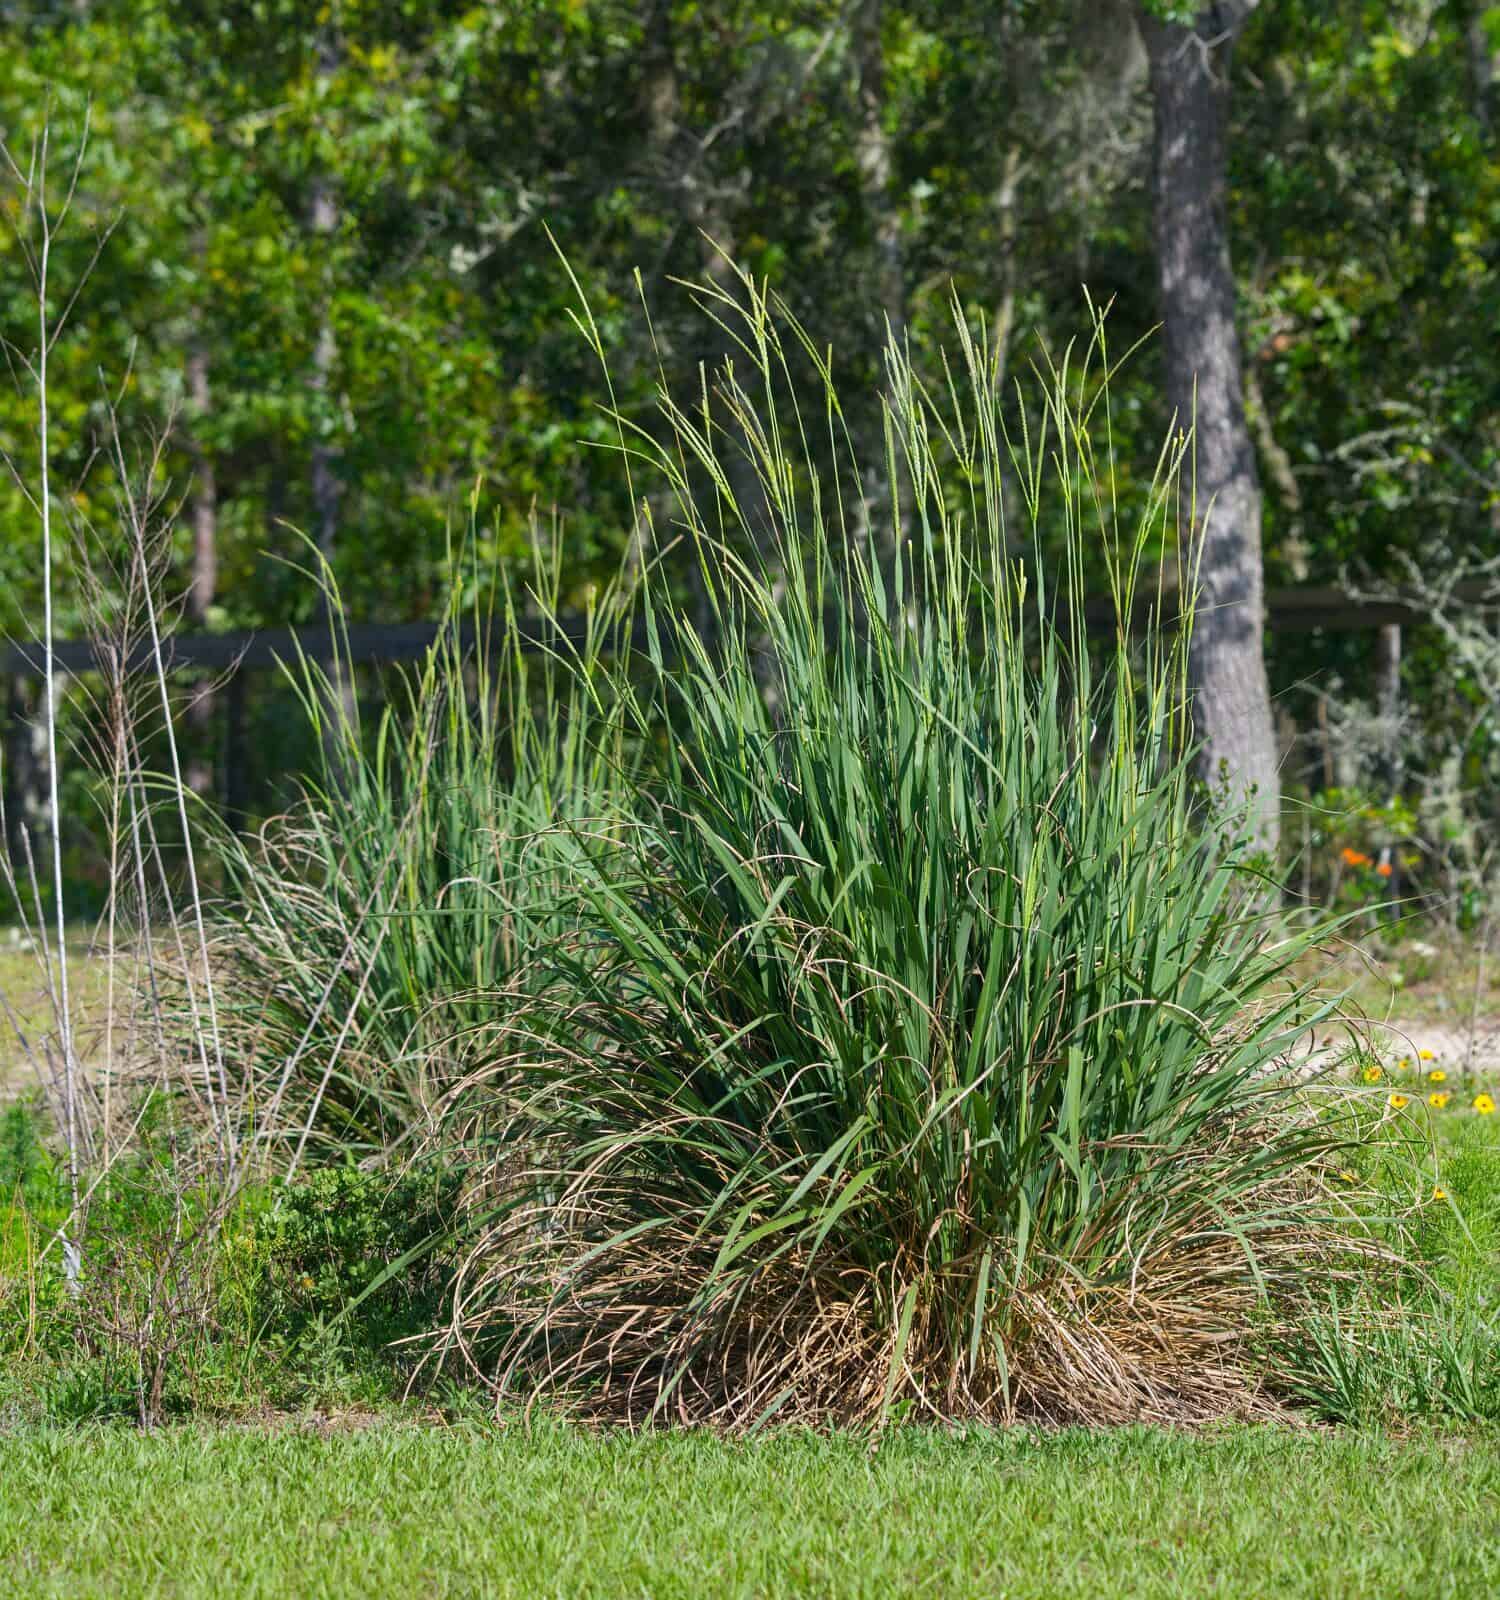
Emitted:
pixel 920 1051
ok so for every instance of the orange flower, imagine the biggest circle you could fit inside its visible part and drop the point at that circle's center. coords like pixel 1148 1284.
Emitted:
pixel 1383 870
pixel 1355 858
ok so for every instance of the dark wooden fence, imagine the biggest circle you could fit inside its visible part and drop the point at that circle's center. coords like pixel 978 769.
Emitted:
pixel 1287 611
pixel 233 656
pixel 359 643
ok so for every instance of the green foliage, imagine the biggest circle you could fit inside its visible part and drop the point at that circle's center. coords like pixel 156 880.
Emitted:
pixel 1363 201
pixel 917 989
pixel 1432 1360
pixel 1422 1338
pixel 28 1173
pixel 189 1302
pixel 367 931
pixel 1357 848
pixel 33 1204
pixel 329 1240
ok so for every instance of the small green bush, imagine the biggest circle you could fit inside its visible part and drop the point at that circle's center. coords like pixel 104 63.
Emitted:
pixel 194 1299
pixel 346 1245
pixel 27 1171
pixel 33 1203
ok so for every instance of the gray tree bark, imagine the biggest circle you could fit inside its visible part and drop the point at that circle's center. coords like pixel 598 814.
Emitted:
pixel 873 155
pixel 1189 69
pixel 881 529
pixel 323 216
pixel 876 164
pixel 1388 703
pixel 1484 64
pixel 679 160
pixel 326 456
pixel 24 765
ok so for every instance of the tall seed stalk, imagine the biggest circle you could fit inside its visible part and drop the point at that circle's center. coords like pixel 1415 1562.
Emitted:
pixel 36 251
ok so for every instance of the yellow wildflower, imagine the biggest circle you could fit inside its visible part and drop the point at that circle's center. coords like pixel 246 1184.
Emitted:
pixel 1437 1076
pixel 1396 1101
pixel 1348 1177
pixel 1372 1074
pixel 1426 1055
pixel 1403 1064
pixel 1438 1099
pixel 1439 1192
pixel 1483 1104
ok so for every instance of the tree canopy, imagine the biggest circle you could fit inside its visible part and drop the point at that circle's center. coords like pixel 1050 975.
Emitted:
pixel 333 252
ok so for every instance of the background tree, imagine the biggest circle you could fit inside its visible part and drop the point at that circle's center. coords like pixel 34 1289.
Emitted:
pixel 868 159
pixel 1205 389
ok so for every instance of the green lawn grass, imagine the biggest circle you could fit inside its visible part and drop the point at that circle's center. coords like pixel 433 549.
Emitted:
pixel 397 1509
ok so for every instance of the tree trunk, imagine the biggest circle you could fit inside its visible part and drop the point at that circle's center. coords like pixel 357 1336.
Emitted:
pixel 1007 195
pixel 326 483
pixel 876 165
pixel 872 152
pixel 236 786
pixel 25 777
pixel 1484 63
pixel 323 216
pixel 1388 705
pixel 1231 700
pixel 679 163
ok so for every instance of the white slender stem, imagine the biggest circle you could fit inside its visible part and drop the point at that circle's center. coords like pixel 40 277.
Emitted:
pixel 54 808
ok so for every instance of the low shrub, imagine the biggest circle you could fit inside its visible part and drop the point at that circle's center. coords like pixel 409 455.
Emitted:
pixel 191 1298
pixel 28 1172
pixel 347 1246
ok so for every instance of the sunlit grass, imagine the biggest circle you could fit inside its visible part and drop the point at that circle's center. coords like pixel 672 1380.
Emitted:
pixel 23 985
pixel 560 1512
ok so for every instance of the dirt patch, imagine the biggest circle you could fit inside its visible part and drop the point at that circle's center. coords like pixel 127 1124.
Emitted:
pixel 1454 1047
pixel 1471 1050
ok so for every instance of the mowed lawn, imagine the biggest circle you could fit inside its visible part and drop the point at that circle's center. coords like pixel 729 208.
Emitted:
pixel 396 1509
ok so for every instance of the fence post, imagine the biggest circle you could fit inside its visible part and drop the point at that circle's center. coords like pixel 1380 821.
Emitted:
pixel 1388 720
pixel 1388 700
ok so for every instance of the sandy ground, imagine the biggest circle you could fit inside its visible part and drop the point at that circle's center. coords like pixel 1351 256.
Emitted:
pixel 1468 1055
pixel 1454 1047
